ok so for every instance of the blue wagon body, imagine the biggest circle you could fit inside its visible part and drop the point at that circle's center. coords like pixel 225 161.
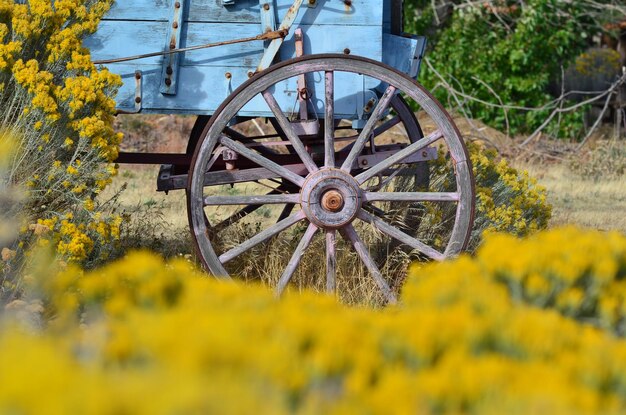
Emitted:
pixel 200 80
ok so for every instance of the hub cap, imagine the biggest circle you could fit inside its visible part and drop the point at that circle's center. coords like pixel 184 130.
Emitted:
pixel 330 198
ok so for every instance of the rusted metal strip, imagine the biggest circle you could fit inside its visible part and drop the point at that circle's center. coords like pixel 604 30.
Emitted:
pixel 169 75
pixel 277 34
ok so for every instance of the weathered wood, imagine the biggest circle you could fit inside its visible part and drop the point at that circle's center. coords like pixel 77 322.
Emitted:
pixel 251 200
pixel 293 263
pixel 287 128
pixel 399 235
pixel 262 161
pixel 331 261
pixel 356 149
pixel 369 263
pixel 398 157
pixel 411 196
pixel 328 12
pixel 261 237
pixel 214 178
pixel 329 124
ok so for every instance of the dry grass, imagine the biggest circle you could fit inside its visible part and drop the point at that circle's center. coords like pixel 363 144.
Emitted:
pixel 590 203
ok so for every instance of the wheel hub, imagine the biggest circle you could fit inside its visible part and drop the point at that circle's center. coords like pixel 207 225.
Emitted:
pixel 330 198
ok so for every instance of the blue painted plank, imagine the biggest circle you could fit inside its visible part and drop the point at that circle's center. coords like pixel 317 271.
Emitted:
pixel 202 89
pixel 140 10
pixel 116 39
pixel 123 38
pixel 327 12
pixel 366 41
pixel 336 13
pixel 199 10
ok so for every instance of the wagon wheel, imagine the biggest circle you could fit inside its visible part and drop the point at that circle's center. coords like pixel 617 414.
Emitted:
pixel 332 194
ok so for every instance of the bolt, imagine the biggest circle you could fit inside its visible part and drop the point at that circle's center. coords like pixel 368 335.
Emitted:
pixel 137 75
pixel 364 162
pixel 169 70
pixel 250 74
pixel 347 2
pixel 346 51
pixel 138 100
pixel 332 201
pixel 175 25
pixel 424 153
pixel 168 81
pixel 228 75
pixel 177 5
pixel 312 2
pixel 172 45
pixel 266 6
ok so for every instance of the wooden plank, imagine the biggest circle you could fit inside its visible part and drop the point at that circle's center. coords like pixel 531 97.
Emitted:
pixel 202 89
pixel 139 10
pixel 116 39
pixel 199 10
pixel 336 13
pixel 327 12
pixel 243 11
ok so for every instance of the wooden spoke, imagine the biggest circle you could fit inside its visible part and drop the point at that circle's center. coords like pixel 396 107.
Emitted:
pixel 251 200
pixel 262 161
pixel 296 258
pixel 261 237
pixel 368 129
pixel 411 196
pixel 329 125
pixel 399 235
pixel 398 157
pixel 331 261
pixel 249 141
pixel 293 138
pixel 360 248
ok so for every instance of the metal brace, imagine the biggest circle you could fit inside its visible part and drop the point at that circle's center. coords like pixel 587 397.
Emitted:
pixel 138 95
pixel 274 46
pixel 169 75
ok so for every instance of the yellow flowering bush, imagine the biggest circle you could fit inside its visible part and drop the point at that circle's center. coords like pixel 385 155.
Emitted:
pixel 145 336
pixel 582 274
pixel 60 106
pixel 507 200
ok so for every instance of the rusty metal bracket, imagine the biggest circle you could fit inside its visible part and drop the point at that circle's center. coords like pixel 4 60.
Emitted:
pixel 268 16
pixel 272 49
pixel 169 75
pixel 138 95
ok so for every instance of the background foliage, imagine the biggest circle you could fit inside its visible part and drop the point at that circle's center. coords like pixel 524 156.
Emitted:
pixel 502 58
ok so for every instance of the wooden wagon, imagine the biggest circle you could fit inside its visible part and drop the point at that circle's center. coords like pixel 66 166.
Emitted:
pixel 333 81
